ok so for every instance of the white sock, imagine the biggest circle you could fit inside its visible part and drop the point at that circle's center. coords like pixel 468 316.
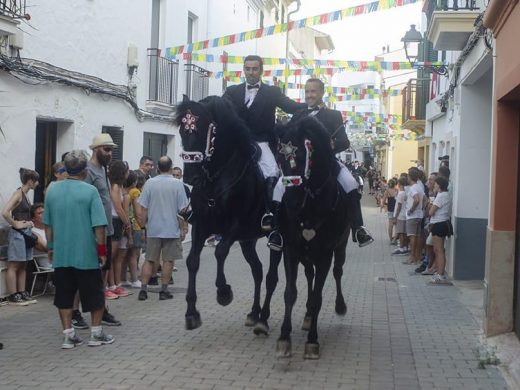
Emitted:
pixel 68 332
pixel 112 288
pixel 96 329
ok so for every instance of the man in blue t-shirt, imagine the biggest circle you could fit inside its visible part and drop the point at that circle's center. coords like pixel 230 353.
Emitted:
pixel 75 223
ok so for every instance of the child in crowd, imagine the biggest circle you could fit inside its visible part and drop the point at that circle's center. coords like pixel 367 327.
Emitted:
pixel 400 216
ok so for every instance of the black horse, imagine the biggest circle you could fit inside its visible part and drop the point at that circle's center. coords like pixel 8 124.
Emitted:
pixel 314 224
pixel 227 196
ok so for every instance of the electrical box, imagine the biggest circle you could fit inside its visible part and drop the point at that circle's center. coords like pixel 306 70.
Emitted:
pixel 133 56
pixel 16 40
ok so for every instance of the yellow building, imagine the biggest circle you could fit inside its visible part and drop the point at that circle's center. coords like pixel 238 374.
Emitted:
pixel 401 150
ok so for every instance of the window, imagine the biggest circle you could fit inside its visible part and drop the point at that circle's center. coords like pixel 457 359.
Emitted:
pixel 117 136
pixel 283 14
pixel 261 19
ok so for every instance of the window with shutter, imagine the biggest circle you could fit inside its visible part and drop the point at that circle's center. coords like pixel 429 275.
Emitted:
pixel 117 136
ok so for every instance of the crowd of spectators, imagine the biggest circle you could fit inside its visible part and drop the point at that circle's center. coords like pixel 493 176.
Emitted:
pixel 97 219
pixel 419 216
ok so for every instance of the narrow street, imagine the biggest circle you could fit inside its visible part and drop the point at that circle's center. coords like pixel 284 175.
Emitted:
pixel 399 333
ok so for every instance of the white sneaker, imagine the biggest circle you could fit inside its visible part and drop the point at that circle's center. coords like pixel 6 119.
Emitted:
pixel 136 284
pixel 439 279
pixel 126 283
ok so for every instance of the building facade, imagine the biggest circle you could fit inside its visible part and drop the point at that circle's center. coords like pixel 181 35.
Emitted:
pixel 458 124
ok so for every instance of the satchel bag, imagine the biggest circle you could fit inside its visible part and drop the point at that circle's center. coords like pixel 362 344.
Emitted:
pixel 30 239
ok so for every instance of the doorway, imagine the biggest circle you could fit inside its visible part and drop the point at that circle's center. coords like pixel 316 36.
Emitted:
pixel 516 300
pixel 45 157
pixel 155 146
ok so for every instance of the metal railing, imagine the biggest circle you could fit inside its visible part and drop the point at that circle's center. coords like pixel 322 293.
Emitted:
pixel 197 82
pixel 415 96
pixel 163 78
pixel 449 5
pixel 12 8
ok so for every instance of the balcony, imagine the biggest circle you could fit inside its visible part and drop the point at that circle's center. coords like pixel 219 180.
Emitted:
pixel 415 97
pixel 163 82
pixel 10 10
pixel 450 23
pixel 197 82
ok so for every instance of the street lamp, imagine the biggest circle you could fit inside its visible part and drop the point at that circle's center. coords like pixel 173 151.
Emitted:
pixel 411 41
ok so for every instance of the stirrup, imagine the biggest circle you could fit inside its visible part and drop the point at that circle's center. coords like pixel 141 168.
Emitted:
pixel 274 246
pixel 365 238
pixel 266 223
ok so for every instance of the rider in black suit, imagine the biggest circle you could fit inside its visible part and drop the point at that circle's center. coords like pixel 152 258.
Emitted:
pixel 256 104
pixel 333 122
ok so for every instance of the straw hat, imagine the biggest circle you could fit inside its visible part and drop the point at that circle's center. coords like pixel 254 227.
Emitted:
pixel 103 139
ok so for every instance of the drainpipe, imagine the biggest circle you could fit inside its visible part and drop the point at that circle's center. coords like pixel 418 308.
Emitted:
pixel 298 4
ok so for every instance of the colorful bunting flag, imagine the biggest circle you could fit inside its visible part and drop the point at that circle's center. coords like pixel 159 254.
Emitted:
pixel 279 28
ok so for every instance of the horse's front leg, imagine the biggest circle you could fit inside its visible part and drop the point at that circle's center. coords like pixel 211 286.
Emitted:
pixel 192 317
pixel 337 270
pixel 283 345
pixel 224 291
pixel 249 251
pixel 271 280
pixel 312 347
pixel 309 274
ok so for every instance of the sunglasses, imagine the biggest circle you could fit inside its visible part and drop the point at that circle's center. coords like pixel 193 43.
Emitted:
pixel 108 149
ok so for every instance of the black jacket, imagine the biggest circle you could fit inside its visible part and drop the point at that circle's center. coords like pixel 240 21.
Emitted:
pixel 333 122
pixel 260 116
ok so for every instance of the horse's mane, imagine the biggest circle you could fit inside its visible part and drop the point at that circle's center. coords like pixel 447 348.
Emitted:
pixel 313 130
pixel 231 129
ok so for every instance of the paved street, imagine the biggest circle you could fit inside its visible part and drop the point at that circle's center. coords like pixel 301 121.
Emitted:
pixel 398 333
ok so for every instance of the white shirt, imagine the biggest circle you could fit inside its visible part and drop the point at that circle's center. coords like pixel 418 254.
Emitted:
pixel 443 203
pixel 416 189
pixel 250 94
pixel 400 199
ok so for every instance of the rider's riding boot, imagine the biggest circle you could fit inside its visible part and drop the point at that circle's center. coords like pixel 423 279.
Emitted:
pixel 275 240
pixel 360 234
pixel 267 219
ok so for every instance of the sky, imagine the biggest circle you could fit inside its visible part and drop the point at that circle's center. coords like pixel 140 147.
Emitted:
pixel 362 37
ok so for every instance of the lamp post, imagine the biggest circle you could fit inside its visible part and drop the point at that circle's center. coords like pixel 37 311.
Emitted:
pixel 412 41
pixel 298 4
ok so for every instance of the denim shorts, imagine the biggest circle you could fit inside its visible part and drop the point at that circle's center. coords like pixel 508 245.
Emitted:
pixel 16 250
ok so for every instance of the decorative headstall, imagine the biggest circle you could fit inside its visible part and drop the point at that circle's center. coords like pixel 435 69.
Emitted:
pixel 289 152
pixel 189 122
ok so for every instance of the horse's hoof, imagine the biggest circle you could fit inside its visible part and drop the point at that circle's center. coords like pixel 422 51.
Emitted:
pixel 341 308
pixel 251 320
pixel 283 348
pixel 224 295
pixel 261 328
pixel 307 323
pixel 312 351
pixel 193 322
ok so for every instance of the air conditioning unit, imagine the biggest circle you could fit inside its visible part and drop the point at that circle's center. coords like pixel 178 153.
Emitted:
pixel 16 40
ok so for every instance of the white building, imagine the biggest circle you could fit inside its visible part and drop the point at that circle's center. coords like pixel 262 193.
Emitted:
pixel 76 68
pixel 458 120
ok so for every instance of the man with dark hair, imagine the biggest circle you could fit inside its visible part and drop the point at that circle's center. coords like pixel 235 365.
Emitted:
pixel 333 122
pixel 102 148
pixel 75 222
pixel 162 199
pixel 256 104
pixel 177 173
pixel 146 166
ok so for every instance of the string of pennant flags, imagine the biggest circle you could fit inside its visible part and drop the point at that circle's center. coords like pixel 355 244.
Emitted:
pixel 367 93
pixel 358 66
pixel 326 18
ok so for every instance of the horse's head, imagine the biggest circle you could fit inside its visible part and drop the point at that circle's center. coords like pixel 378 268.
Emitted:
pixel 196 128
pixel 305 154
pixel 199 123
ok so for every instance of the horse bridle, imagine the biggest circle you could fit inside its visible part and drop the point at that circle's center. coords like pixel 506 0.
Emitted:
pixel 190 126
